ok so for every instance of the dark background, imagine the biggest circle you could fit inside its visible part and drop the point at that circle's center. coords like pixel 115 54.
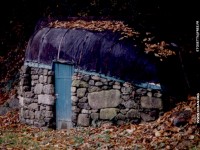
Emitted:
pixel 172 21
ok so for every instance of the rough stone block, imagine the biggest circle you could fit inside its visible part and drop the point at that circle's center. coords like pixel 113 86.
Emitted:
pixel 85 111
pixel 73 89
pixel 48 89
pixel 39 124
pixel 149 94
pixel 38 88
pixel 83 120
pixel 94 111
pixel 26 114
pixel 96 78
pixel 74 99
pixel 40 71
pixel 49 108
pixel 74 117
pixel 93 89
pixel 49 79
pixel 126 90
pixel 19 91
pixel 42 107
pixel 79 83
pixel 86 78
pixel 98 83
pixel 104 80
pixel 151 102
pixel 48 114
pixel 95 116
pixel 26 88
pixel 45 72
pixel 81 92
pixel 75 109
pixel 29 94
pixel 34 77
pixel 133 113
pixel 46 99
pixel 32 114
pixel 41 79
pixel 33 71
pixel 117 83
pixel 110 83
pixel 126 97
pixel 146 117
pixel 73 103
pixel 34 82
pixel 124 111
pixel 21 100
pixel 127 84
pixel 104 87
pixel 104 99
pixel 158 94
pixel 108 113
pixel 120 117
pixel 33 106
pixel 27 101
pixel 83 100
pixel 45 78
pixel 141 91
pixel 116 87
pixel 130 104
pixel 84 106
pixel 29 121
pixel 91 82
pixel 48 120
pixel 37 115
pixel 50 73
pixel 73 94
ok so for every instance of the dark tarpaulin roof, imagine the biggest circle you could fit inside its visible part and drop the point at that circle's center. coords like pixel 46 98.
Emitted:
pixel 100 52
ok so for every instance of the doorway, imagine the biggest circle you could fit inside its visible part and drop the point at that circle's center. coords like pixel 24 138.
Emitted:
pixel 63 81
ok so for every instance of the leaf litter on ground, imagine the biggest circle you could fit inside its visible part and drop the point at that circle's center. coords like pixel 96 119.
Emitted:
pixel 160 134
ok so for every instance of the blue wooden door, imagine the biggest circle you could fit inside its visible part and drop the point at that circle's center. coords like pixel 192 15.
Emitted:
pixel 63 81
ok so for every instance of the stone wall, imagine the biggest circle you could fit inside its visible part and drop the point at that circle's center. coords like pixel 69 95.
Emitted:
pixel 95 100
pixel 36 97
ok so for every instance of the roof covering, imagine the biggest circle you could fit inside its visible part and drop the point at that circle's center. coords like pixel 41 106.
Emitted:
pixel 94 51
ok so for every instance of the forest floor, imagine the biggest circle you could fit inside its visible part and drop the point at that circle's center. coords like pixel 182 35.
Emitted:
pixel 160 134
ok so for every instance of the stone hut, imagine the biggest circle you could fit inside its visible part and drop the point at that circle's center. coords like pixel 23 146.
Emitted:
pixel 78 77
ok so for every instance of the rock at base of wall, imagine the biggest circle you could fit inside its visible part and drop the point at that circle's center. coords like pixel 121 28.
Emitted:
pixel 108 113
pixel 151 102
pixel 83 120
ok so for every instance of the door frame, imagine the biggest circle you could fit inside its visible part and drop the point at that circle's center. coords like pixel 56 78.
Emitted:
pixel 63 123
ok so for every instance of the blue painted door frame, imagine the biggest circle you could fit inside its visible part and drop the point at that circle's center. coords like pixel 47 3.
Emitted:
pixel 63 81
